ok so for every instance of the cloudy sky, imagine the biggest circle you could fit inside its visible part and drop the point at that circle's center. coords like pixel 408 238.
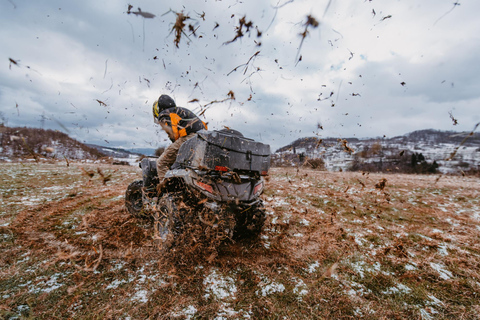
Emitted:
pixel 366 68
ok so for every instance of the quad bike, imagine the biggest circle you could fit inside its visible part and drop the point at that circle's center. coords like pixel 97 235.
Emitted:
pixel 214 186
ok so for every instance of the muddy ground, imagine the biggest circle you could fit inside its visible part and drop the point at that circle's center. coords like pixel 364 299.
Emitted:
pixel 335 246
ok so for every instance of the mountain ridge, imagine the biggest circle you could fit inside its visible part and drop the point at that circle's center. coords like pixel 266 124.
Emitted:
pixel 21 142
pixel 24 142
pixel 433 135
pixel 452 151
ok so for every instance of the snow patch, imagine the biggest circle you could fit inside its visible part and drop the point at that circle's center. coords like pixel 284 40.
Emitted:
pixel 435 301
pixel 426 315
pixel 271 288
pixel 141 296
pixel 188 312
pixel 313 267
pixel 441 269
pixel 219 286
pixel 442 249
pixel 51 285
pixel 115 284
pixel 410 267
pixel 399 288
pixel 227 312
pixel 300 287
pixel 305 222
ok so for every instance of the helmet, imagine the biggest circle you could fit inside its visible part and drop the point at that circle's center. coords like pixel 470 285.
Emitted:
pixel 164 102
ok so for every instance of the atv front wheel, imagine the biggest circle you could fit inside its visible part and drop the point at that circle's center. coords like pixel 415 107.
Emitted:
pixel 133 199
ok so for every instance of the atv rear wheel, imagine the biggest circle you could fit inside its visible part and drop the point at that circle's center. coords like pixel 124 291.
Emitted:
pixel 133 199
pixel 186 232
pixel 167 224
pixel 249 223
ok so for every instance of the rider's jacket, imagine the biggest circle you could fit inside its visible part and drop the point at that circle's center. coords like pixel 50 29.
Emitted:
pixel 182 121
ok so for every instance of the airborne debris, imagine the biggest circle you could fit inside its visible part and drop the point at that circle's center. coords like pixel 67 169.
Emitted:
pixel 245 64
pixel 231 96
pixel 15 62
pixel 455 121
pixel 103 104
pixel 278 6
pixel 386 17
pixel 311 21
pixel 201 15
pixel 88 173
pixel 105 177
pixel 351 54
pixel 146 15
pixel 326 8
pixel 461 143
pixel 192 30
pixel 346 148
pixel 178 27
pixel 242 22
pixel 454 5
pixel 381 184
pixel 148 82
pixel 299 59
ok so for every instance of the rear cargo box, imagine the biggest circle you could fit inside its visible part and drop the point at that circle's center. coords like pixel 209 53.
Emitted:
pixel 220 150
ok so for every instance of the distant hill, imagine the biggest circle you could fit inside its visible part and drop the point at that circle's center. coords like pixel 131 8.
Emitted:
pixel 115 152
pixel 25 142
pixel 467 139
pixel 145 151
pixel 452 151
pixel 421 136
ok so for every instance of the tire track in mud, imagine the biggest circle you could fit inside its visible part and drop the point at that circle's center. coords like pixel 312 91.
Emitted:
pixel 78 227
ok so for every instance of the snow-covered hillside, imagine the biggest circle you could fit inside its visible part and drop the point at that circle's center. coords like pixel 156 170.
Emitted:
pixel 452 151
pixel 20 143
pixel 35 143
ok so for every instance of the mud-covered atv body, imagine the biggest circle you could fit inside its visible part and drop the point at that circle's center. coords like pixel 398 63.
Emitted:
pixel 215 185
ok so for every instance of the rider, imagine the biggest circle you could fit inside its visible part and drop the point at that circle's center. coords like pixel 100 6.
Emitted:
pixel 180 124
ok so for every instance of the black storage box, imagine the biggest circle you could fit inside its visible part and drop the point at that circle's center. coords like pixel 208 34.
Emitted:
pixel 224 150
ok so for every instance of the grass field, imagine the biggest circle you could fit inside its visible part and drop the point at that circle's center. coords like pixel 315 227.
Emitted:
pixel 335 246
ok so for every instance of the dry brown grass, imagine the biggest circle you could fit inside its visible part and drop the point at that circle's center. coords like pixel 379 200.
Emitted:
pixel 334 246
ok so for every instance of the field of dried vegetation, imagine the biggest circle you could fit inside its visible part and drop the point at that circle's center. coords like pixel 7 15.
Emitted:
pixel 335 246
